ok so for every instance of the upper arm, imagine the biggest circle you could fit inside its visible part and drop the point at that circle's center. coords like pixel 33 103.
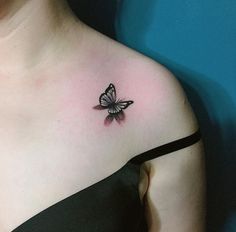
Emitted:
pixel 175 196
pixel 174 200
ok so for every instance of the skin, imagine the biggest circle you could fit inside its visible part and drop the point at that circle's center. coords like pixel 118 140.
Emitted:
pixel 48 124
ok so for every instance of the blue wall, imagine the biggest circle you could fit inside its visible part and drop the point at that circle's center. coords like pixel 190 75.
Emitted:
pixel 196 40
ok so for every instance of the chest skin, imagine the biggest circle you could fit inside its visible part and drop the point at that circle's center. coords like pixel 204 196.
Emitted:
pixel 54 144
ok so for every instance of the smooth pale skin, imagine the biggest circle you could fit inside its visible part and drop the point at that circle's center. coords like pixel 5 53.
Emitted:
pixel 54 144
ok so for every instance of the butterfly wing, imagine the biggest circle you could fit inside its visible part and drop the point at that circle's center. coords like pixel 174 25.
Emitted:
pixel 108 97
pixel 117 107
pixel 124 104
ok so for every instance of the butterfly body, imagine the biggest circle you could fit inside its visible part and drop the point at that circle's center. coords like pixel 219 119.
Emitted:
pixel 115 107
pixel 108 101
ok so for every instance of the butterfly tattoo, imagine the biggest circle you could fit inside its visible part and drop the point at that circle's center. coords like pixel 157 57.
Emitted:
pixel 115 107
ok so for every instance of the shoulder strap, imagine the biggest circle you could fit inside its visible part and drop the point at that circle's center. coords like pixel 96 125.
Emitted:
pixel 167 148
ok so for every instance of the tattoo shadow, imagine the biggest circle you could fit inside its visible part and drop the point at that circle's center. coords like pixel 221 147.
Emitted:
pixel 119 117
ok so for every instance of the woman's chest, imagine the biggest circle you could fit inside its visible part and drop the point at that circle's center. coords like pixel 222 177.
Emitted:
pixel 48 154
pixel 42 172
pixel 54 144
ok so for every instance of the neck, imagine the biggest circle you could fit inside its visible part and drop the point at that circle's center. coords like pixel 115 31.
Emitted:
pixel 31 33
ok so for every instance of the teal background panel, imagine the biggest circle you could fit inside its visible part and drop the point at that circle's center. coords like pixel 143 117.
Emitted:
pixel 195 39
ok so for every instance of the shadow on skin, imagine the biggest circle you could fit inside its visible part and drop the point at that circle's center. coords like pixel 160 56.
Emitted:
pixel 150 210
pixel 119 117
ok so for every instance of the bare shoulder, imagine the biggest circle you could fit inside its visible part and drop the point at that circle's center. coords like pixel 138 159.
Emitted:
pixel 161 113
pixel 161 110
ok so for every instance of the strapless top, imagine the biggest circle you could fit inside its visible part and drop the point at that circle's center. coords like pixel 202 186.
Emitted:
pixel 110 205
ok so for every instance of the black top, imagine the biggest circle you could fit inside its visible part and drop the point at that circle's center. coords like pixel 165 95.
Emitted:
pixel 110 205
